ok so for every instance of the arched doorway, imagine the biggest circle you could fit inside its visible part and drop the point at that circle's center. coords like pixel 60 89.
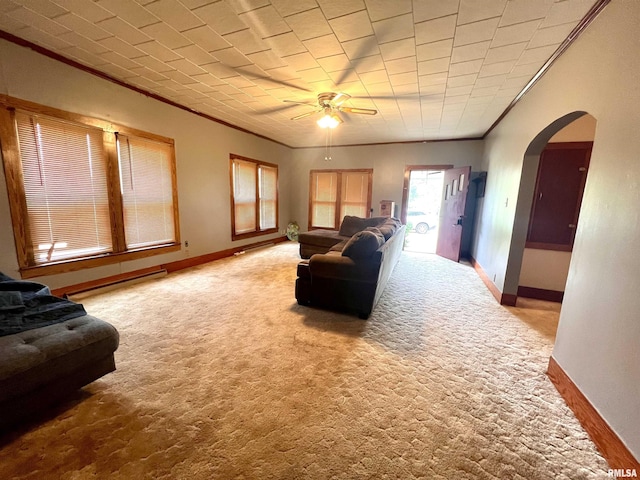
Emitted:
pixel 525 263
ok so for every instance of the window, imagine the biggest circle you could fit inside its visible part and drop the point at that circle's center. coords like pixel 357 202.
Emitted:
pixel 336 193
pixel 254 192
pixel 82 195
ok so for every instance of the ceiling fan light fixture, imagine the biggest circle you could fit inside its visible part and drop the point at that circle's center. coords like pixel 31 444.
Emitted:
pixel 329 121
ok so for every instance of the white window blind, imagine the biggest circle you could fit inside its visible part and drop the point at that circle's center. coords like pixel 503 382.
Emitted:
pixel 324 195
pixel 64 170
pixel 268 195
pixel 244 196
pixel 147 191
pixel 355 193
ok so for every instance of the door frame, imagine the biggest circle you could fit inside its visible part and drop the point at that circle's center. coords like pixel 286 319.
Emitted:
pixel 405 188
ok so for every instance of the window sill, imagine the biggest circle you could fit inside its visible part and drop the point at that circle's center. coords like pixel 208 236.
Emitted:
pixel 96 261
pixel 242 236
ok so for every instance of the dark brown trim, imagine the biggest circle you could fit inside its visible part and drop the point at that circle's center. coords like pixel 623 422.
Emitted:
pixel 502 298
pixel 610 445
pixel 548 246
pixel 48 53
pixel 541 294
pixel 575 33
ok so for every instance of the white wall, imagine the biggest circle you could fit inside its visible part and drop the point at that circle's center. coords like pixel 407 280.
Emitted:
pixel 202 155
pixel 599 330
pixel 388 163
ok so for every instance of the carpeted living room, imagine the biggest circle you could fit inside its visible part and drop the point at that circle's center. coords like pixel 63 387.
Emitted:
pixel 211 213
pixel 211 384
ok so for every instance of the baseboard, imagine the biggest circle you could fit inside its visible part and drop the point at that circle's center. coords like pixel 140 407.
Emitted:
pixel 502 298
pixel 153 272
pixel 609 444
pixel 541 294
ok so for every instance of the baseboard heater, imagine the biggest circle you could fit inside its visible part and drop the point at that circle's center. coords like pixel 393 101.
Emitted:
pixel 254 248
pixel 107 286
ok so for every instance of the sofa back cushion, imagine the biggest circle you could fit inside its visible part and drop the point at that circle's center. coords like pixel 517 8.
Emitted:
pixel 389 227
pixel 351 225
pixel 363 244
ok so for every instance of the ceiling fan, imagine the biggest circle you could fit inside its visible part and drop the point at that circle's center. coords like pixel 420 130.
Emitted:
pixel 330 103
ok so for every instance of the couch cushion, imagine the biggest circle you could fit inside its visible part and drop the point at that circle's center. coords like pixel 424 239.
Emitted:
pixel 363 244
pixel 389 227
pixel 351 225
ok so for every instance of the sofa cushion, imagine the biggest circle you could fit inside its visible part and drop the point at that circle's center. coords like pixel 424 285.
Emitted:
pixel 363 244
pixel 351 225
pixel 389 227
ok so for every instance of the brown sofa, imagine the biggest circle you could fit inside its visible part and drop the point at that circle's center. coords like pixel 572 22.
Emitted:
pixel 349 273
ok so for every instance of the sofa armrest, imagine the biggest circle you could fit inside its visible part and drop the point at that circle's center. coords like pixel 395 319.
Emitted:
pixel 334 265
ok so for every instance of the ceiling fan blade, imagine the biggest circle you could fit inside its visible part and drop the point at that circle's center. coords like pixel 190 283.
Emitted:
pixel 303 115
pixel 249 74
pixel 360 111
pixel 340 98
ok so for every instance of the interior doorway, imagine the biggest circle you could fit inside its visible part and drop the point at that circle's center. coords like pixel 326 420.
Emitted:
pixel 421 203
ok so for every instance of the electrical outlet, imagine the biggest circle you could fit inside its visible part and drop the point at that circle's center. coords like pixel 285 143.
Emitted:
pixel 186 247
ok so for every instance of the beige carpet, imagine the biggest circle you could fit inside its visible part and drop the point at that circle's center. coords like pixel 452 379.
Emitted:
pixel 222 375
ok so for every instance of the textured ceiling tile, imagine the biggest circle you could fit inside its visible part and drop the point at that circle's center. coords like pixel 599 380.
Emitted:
pixel 165 35
pixel 409 88
pixel 83 56
pixel 474 10
pixel 325 46
pixel 148 73
pixel 220 17
pixel 186 67
pixel 570 11
pixel 496 68
pixel 231 57
pixel 246 41
pixel 35 20
pixel 491 81
pixel 476 32
pixel 433 79
pixel 362 47
pixel 119 60
pixel 462 80
pixel 350 27
pixel 266 60
pixel 551 36
pixel 381 9
pixel 206 38
pixel 465 68
pixel 433 66
pixel 339 8
pixel 522 32
pixel 79 41
pixel 286 44
pixel 266 22
pixel 473 51
pixel 44 7
pixel 219 70
pixel 291 7
pixel 123 48
pixel 130 12
pixel 335 63
pixel 519 11
pixel 175 14
pixel 435 30
pixel 344 77
pixel 313 74
pixel 377 76
pixel 122 29
pixel 246 5
pixel 152 63
pixel 368 64
pixel 430 9
pixel 430 51
pixel 309 24
pixel 403 78
pixel 457 91
pixel 89 10
pixel 301 61
pixel 12 25
pixel 195 54
pixel 398 49
pixel 79 25
pixel 537 55
pixel 395 28
pixel 527 69
pixel 402 65
pixel 502 54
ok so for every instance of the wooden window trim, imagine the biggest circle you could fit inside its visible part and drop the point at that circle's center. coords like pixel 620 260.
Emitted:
pixel 17 200
pixel 258 232
pixel 339 171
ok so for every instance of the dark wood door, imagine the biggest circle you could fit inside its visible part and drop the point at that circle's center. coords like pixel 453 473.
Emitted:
pixel 562 174
pixel 452 219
